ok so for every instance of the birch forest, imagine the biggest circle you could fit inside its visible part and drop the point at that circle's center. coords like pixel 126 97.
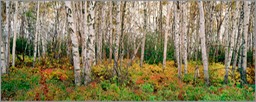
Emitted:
pixel 127 50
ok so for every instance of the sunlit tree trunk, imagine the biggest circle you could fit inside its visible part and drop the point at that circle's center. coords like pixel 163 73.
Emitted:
pixel 7 43
pixel 184 36
pixel 244 44
pixel 238 42
pixel 14 34
pixel 2 49
pixel 203 46
pixel 91 42
pixel 100 34
pixel 166 35
pixel 117 37
pixel 72 29
pixel 231 40
pixel 36 33
pixel 43 38
pixel 111 32
pixel 144 35
pixel 84 43
pixel 177 37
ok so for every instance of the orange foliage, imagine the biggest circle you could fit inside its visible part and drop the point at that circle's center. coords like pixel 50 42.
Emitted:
pixel 140 81
pixel 93 84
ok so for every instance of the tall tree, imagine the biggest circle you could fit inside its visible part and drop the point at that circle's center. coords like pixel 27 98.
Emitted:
pixel 84 43
pixel 203 46
pixel 117 37
pixel 2 64
pixel 36 32
pixel 177 36
pixel 91 42
pixel 72 29
pixel 166 34
pixel 14 34
pixel 110 31
pixel 245 43
pixel 7 43
pixel 231 40
pixel 144 35
pixel 184 35
pixel 238 40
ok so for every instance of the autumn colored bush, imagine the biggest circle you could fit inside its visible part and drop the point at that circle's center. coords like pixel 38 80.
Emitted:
pixel 54 81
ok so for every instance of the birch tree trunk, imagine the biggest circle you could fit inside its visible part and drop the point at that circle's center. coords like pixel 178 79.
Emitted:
pixel 7 44
pixel 144 35
pixel 244 45
pixel 177 37
pixel 100 34
pixel 234 32
pixel 91 43
pixel 117 37
pixel 166 35
pixel 2 61
pixel 14 34
pixel 184 36
pixel 84 43
pixel 43 38
pixel 72 29
pixel 36 32
pixel 203 46
pixel 111 32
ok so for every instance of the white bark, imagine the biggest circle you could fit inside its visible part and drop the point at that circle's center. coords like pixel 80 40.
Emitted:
pixel 72 29
pixel 14 34
pixel 2 50
pixel 117 37
pixel 144 35
pixel 184 36
pixel 245 43
pixel 43 38
pixel 36 32
pixel 85 40
pixel 203 46
pixel 111 32
pixel 7 43
pixel 166 34
pixel 177 37
pixel 234 32
pixel 91 43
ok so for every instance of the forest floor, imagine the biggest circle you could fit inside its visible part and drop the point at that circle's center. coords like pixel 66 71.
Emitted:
pixel 54 80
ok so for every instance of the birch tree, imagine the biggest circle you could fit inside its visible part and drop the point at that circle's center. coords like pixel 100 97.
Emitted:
pixel 117 37
pixel 110 31
pixel 177 37
pixel 245 43
pixel 36 32
pixel 91 43
pixel 2 61
pixel 84 43
pixel 184 35
pixel 166 35
pixel 203 46
pixel 231 40
pixel 144 35
pixel 238 40
pixel 7 43
pixel 14 34
pixel 72 29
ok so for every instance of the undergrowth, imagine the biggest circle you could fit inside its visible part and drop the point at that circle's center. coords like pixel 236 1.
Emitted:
pixel 54 80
